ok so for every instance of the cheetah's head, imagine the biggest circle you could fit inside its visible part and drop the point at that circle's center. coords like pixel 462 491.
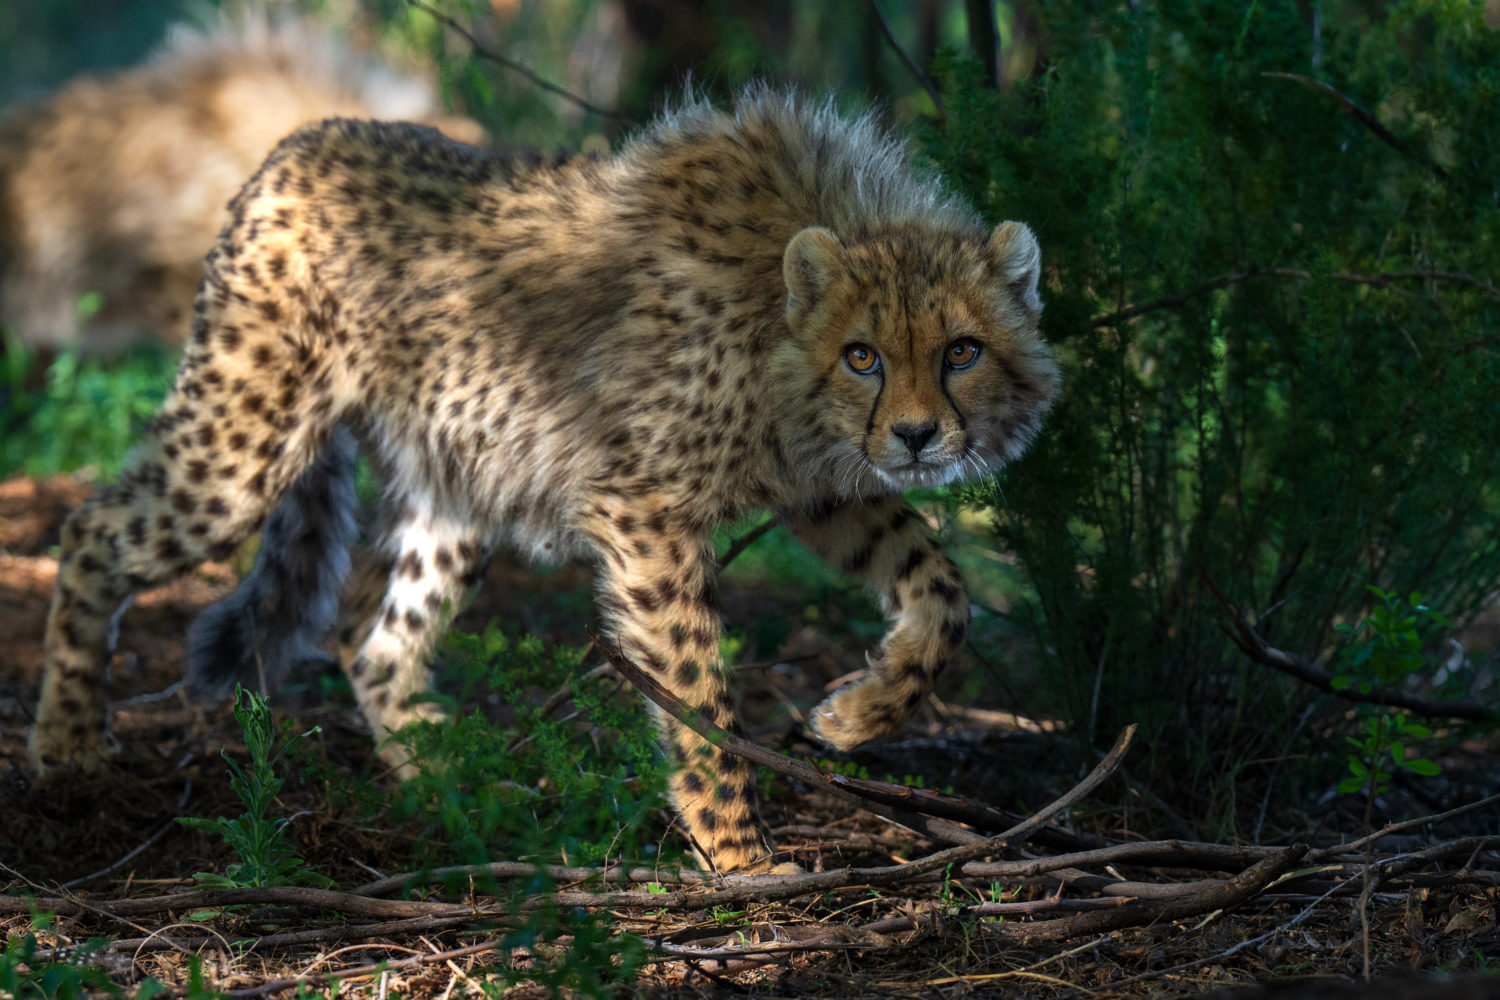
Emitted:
pixel 921 348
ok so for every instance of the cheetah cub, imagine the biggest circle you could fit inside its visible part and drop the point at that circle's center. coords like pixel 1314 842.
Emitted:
pixel 768 306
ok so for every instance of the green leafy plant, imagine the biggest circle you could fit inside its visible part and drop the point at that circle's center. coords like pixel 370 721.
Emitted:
pixel 1391 652
pixel 266 857
pixel 26 974
pixel 1385 734
pixel 519 781
pixel 90 412
pixel 1278 336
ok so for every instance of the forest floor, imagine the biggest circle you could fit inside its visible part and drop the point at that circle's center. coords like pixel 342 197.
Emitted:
pixel 1088 903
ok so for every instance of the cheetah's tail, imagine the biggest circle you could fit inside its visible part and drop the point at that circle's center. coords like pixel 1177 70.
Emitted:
pixel 290 600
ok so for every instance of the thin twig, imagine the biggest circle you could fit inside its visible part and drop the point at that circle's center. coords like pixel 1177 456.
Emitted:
pixel 936 829
pixel 746 540
pixel 1310 671
pixel 904 810
pixel 1383 280
pixel 321 935
pixel 1153 853
pixel 343 975
pixel 1228 952
pixel 1364 117
pixel 485 52
pixel 286 895
pixel 911 64
pixel 1408 824
pixel 1203 897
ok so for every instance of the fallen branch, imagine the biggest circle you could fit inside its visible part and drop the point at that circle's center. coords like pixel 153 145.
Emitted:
pixel 1406 824
pixel 362 971
pixel 877 797
pixel 202 899
pixel 143 846
pixel 1312 672
pixel 316 935
pixel 1151 853
pixel 1209 896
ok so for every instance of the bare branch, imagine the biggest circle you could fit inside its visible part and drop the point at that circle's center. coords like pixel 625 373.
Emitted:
pixel 1312 672
pixel 1385 280
pixel 869 795
pixel 344 975
pixel 1408 824
pixel 1364 117
pixel 928 84
pixel 746 540
pixel 161 831
pixel 485 52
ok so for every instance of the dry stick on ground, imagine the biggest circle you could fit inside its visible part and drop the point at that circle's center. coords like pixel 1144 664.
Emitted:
pixel 314 935
pixel 161 831
pixel 1406 824
pixel 734 890
pixel 1311 672
pixel 290 895
pixel 484 52
pixel 359 972
pixel 869 795
pixel 1194 898
pixel 1226 953
pixel 1385 280
pixel 1151 853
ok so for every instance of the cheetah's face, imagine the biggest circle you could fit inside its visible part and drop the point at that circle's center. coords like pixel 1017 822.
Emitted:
pixel 925 349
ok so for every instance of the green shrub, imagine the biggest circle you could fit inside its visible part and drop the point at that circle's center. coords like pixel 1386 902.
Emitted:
pixel 1327 423
pixel 27 974
pixel 266 856
pixel 90 413
pixel 521 783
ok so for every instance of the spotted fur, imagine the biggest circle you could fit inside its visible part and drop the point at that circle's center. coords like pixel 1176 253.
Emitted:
pixel 588 356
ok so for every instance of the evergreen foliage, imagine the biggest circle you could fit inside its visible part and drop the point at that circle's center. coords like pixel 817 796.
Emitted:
pixel 1328 423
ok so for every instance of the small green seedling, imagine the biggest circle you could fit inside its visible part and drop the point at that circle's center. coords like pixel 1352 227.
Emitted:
pixel 1391 652
pixel 26 971
pixel 266 858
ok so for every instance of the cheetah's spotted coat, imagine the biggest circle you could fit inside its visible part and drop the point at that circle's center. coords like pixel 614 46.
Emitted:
pixel 762 307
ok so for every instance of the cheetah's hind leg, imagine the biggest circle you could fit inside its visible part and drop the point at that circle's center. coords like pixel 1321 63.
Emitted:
pixel 433 561
pixel 289 601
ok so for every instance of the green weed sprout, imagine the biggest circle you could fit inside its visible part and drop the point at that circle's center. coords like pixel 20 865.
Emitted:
pixel 266 858
pixel 1392 652
pixel 25 975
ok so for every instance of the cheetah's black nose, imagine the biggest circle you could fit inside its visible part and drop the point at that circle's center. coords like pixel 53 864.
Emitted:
pixel 915 435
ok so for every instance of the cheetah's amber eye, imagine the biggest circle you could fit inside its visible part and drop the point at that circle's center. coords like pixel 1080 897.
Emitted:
pixel 962 352
pixel 861 360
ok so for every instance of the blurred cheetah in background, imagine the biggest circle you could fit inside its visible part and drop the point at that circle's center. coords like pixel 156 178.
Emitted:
pixel 761 307
pixel 117 184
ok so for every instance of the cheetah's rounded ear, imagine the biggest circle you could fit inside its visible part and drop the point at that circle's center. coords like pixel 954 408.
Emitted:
pixel 812 260
pixel 1017 261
